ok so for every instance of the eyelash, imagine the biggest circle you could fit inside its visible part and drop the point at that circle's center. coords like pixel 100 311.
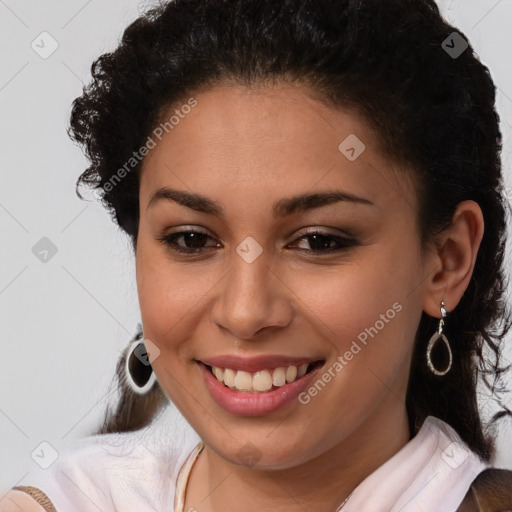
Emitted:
pixel 344 242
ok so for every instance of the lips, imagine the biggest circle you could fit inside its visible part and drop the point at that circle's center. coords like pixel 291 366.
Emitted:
pixel 259 385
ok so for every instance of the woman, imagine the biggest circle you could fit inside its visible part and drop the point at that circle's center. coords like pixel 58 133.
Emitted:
pixel 314 195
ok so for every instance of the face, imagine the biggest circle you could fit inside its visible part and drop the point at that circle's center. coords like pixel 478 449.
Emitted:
pixel 259 286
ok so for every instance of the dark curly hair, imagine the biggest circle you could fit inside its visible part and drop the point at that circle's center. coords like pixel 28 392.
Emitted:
pixel 387 61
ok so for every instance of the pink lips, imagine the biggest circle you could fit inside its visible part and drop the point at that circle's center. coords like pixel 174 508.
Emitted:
pixel 254 404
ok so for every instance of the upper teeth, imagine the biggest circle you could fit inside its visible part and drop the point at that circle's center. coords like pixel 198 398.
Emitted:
pixel 258 381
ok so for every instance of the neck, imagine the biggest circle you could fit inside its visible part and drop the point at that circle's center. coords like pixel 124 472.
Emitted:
pixel 322 483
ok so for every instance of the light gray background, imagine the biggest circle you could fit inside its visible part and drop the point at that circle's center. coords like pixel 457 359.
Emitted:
pixel 64 322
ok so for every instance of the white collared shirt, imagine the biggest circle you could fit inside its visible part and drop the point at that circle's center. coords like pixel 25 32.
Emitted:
pixel 147 471
pixel 431 473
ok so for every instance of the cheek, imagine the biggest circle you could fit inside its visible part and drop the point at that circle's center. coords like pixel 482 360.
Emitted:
pixel 169 300
pixel 175 300
pixel 367 311
pixel 348 298
pixel 368 329
pixel 167 294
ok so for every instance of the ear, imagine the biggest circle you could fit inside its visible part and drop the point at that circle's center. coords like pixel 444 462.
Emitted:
pixel 453 259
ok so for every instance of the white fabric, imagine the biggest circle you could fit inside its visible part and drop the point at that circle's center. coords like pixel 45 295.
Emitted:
pixel 129 472
pixel 138 472
pixel 431 473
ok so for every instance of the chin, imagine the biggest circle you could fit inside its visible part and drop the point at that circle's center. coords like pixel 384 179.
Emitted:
pixel 261 453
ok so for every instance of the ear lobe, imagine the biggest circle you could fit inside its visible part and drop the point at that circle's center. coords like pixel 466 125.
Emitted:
pixel 456 252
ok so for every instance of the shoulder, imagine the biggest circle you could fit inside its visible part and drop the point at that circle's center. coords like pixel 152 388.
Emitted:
pixel 28 499
pixel 467 482
pixel 108 472
pixel 88 474
pixel 491 491
pixel 490 488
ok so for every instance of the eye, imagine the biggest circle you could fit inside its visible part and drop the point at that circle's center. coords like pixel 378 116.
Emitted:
pixel 322 243
pixel 194 242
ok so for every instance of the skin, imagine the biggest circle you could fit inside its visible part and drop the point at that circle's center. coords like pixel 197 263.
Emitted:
pixel 247 148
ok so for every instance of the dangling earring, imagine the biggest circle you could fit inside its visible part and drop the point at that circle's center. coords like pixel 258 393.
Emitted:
pixel 139 373
pixel 433 340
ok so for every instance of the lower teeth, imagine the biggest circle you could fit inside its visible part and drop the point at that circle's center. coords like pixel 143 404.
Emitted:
pixel 253 390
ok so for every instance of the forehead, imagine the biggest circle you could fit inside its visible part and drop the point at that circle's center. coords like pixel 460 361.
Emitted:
pixel 268 139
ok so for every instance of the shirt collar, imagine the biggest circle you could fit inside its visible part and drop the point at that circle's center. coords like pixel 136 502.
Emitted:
pixel 431 473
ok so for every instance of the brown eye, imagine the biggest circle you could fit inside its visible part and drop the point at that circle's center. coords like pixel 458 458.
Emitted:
pixel 326 243
pixel 192 241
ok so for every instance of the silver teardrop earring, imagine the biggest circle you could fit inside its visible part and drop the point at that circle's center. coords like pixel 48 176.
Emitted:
pixel 139 373
pixel 433 340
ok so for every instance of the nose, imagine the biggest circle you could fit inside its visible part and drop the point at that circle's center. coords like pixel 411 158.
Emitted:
pixel 253 301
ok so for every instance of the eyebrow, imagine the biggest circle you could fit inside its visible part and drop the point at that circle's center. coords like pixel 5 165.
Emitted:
pixel 282 208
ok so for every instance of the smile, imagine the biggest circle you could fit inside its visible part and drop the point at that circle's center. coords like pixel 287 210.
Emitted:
pixel 261 381
pixel 258 388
